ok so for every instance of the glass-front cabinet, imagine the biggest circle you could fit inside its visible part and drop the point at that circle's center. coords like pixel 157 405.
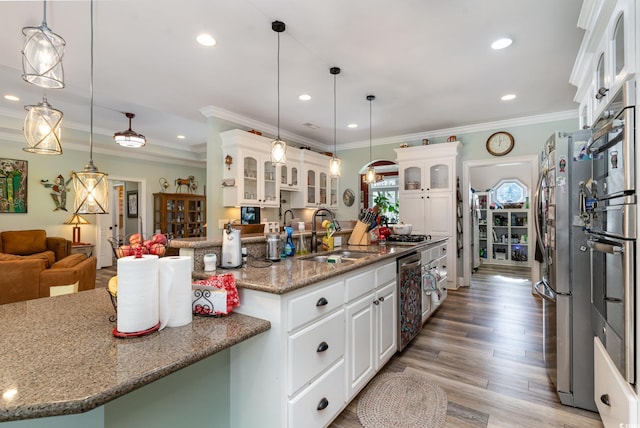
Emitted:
pixel 259 183
pixel 422 176
pixel 290 172
pixel 317 188
pixel 179 215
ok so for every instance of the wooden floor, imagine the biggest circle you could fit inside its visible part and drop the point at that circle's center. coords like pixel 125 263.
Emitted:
pixel 484 348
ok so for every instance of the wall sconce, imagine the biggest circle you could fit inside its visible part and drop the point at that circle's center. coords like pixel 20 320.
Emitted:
pixel 228 160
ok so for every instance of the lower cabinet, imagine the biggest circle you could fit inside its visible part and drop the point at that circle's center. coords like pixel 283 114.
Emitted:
pixel 616 400
pixel 371 324
pixel 325 343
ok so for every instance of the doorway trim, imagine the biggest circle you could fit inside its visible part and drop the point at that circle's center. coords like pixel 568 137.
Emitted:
pixel 467 166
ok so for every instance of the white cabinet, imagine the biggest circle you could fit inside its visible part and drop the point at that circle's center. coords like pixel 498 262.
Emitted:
pixel 257 181
pixel 434 271
pixel 317 190
pixel 290 171
pixel 508 236
pixel 427 195
pixel 607 56
pixel 371 314
pixel 616 400
pixel 297 373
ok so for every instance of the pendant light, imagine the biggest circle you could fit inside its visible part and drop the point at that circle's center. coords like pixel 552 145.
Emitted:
pixel 278 147
pixel 335 164
pixel 130 138
pixel 42 129
pixel 90 185
pixel 42 56
pixel 370 176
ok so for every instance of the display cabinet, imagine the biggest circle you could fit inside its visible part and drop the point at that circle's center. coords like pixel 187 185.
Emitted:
pixel 179 215
pixel 508 236
pixel 318 190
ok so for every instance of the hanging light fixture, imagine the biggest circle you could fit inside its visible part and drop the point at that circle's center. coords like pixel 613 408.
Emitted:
pixel 42 129
pixel 90 185
pixel 335 164
pixel 370 176
pixel 130 138
pixel 42 56
pixel 278 147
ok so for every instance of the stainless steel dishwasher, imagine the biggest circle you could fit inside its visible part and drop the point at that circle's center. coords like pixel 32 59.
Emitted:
pixel 409 270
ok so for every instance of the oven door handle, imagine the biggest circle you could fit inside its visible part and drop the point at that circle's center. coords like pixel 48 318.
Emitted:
pixel 608 127
pixel 547 294
pixel 605 248
pixel 411 265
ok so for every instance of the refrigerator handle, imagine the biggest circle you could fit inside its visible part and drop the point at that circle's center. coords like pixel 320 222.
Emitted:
pixel 536 219
pixel 547 294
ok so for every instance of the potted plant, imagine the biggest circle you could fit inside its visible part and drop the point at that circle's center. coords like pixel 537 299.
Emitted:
pixel 386 207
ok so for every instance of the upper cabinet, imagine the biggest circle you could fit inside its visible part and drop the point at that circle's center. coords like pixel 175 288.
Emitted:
pixel 290 172
pixel 317 189
pixel 607 56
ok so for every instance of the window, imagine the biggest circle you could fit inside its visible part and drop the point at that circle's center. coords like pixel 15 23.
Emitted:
pixel 510 191
pixel 385 194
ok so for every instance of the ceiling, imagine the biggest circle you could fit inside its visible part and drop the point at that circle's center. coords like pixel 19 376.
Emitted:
pixel 429 63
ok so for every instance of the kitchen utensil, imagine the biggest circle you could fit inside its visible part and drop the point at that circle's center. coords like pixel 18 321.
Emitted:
pixel 273 247
pixel 402 229
pixel 231 248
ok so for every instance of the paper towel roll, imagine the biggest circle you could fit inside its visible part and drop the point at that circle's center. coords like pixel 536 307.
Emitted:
pixel 175 291
pixel 137 293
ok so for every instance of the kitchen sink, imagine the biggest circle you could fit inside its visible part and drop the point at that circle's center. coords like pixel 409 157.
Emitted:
pixel 346 255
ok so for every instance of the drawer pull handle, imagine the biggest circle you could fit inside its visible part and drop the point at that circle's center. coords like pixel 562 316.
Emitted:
pixel 323 404
pixel 322 347
pixel 322 302
pixel 605 399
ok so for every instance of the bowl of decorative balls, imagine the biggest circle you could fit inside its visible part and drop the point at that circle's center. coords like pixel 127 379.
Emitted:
pixel 156 245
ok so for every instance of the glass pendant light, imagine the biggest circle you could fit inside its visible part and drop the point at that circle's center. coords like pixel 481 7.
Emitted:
pixel 370 175
pixel 42 56
pixel 42 129
pixel 335 164
pixel 130 138
pixel 278 147
pixel 90 185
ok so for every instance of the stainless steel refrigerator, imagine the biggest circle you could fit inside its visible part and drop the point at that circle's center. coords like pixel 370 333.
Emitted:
pixel 565 285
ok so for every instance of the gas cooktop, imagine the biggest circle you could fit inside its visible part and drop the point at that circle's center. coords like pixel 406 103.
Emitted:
pixel 408 239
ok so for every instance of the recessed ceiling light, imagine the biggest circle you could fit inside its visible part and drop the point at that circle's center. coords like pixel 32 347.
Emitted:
pixel 181 137
pixel 501 43
pixel 304 97
pixel 508 97
pixel 352 125
pixel 11 97
pixel 206 40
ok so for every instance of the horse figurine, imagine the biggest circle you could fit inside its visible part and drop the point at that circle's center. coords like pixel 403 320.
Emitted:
pixel 190 183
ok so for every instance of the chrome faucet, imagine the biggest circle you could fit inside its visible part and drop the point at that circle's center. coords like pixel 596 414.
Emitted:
pixel 284 217
pixel 314 239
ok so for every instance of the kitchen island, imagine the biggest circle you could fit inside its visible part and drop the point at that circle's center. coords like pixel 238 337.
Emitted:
pixel 60 363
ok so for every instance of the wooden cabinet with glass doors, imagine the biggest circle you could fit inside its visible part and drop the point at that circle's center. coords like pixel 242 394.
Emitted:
pixel 179 215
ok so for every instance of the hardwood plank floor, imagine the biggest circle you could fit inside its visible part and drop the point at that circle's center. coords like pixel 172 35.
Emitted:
pixel 484 348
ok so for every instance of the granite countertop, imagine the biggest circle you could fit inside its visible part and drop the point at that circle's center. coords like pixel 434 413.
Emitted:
pixel 60 356
pixel 293 273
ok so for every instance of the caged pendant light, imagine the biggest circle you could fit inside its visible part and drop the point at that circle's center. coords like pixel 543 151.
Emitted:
pixel 370 176
pixel 42 129
pixel 90 184
pixel 42 56
pixel 335 164
pixel 278 147
pixel 130 138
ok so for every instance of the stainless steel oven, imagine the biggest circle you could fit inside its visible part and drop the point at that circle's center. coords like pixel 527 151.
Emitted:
pixel 612 230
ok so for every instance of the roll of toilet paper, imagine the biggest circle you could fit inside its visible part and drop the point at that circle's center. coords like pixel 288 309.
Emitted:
pixel 175 291
pixel 137 293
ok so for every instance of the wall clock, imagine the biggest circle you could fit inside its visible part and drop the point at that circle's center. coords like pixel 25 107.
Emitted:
pixel 348 197
pixel 500 143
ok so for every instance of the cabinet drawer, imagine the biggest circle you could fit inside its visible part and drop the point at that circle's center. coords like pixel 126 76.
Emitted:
pixel 315 348
pixel 386 274
pixel 609 385
pixel 315 304
pixel 308 409
pixel 360 284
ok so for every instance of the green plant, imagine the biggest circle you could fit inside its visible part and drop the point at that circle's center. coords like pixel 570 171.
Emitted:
pixel 386 207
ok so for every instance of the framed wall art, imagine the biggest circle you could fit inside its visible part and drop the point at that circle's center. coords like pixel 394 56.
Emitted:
pixel 132 204
pixel 13 186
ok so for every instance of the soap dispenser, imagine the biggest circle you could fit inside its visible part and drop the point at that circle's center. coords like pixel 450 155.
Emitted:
pixel 289 247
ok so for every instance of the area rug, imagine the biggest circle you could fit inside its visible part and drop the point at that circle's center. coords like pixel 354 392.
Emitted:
pixel 402 400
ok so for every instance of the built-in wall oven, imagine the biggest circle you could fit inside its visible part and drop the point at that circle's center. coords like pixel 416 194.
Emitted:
pixel 612 230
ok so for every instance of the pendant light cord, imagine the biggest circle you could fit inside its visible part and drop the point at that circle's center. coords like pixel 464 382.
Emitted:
pixel 335 150
pixel 370 131
pixel 278 87
pixel 44 14
pixel 91 90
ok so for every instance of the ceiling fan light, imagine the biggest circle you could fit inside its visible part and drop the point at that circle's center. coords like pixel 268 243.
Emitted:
pixel 278 151
pixel 130 138
pixel 42 129
pixel 42 57
pixel 335 167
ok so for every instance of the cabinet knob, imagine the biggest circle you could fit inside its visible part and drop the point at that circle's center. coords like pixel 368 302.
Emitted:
pixel 322 347
pixel 601 93
pixel 322 302
pixel 323 404
pixel 381 299
pixel 376 302
pixel 605 399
